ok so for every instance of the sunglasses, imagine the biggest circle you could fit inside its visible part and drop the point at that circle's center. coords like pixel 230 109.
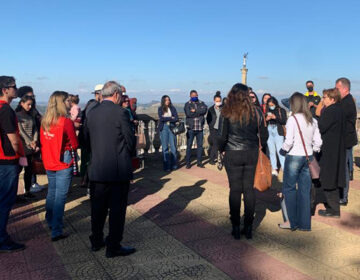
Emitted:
pixel 14 87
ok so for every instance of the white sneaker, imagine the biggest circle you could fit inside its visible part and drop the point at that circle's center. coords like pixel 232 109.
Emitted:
pixel 274 172
pixel 35 188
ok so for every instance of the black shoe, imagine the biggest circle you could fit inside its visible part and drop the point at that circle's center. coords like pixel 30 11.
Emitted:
pixel 200 165
pixel 96 245
pixel 351 175
pixel 59 237
pixel 188 166
pixel 120 251
pixel 10 246
pixel 212 162
pixel 343 202
pixel 236 232
pixel 325 213
pixel 247 231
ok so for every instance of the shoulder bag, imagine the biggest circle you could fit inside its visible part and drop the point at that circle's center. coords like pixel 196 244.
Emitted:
pixel 178 128
pixel 262 180
pixel 283 126
pixel 313 164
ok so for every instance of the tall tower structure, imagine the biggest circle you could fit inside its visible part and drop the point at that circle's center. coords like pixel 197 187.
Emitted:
pixel 244 70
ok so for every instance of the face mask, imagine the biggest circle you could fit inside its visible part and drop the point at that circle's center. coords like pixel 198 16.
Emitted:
pixel 218 104
pixel 194 99
pixel 272 107
pixel 310 89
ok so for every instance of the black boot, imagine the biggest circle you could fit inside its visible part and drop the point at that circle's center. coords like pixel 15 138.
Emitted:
pixel 247 231
pixel 236 232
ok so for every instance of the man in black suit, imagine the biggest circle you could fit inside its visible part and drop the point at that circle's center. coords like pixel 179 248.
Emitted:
pixel 112 143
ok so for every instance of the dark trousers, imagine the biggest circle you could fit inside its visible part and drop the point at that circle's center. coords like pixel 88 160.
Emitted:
pixel 332 201
pixel 240 167
pixel 112 198
pixel 344 192
pixel 191 134
pixel 28 174
pixel 213 146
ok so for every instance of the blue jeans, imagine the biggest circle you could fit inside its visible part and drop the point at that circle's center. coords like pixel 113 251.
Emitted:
pixel 297 200
pixel 59 183
pixel 348 167
pixel 9 179
pixel 274 143
pixel 191 134
pixel 168 138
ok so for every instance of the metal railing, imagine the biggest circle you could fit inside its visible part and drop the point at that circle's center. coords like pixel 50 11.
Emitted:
pixel 148 125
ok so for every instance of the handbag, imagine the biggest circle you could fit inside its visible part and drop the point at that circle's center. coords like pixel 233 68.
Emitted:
pixel 263 177
pixel 140 141
pixel 178 128
pixel 283 126
pixel 38 167
pixel 313 164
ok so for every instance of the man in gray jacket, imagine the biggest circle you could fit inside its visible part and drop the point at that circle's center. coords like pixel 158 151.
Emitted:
pixel 195 110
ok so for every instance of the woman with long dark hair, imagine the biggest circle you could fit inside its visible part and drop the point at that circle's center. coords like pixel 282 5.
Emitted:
pixel 29 136
pixel 264 100
pixel 254 98
pixel 238 138
pixel 125 103
pixel 297 180
pixel 167 118
pixel 58 139
pixel 276 120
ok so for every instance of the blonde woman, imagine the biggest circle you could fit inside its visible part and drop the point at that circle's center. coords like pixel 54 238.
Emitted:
pixel 57 136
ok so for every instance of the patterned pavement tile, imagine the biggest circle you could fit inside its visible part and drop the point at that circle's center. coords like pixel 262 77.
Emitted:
pixel 87 270
pixel 50 273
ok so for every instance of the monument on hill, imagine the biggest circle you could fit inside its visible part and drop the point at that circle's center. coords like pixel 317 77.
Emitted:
pixel 244 70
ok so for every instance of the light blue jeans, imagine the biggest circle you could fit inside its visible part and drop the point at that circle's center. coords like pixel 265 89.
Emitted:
pixel 297 191
pixel 168 139
pixel 59 183
pixel 274 143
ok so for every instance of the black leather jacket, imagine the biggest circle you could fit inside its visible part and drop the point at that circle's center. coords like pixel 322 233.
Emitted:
pixel 234 136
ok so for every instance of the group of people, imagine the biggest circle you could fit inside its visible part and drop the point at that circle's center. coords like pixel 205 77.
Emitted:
pixel 104 124
pixel 321 128
pixel 317 127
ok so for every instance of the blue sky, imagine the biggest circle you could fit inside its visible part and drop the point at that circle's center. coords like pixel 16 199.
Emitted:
pixel 171 47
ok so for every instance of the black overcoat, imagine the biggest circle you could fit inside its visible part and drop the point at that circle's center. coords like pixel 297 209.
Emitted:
pixel 112 143
pixel 333 158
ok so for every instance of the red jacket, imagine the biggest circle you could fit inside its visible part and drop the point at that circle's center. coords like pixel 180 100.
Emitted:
pixel 53 145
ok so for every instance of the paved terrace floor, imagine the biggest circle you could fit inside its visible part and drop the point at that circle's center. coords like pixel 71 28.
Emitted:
pixel 179 224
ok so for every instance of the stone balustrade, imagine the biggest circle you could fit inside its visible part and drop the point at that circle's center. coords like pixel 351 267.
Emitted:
pixel 148 124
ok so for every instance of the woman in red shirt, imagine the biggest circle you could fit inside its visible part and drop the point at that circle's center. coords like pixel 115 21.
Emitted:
pixel 58 138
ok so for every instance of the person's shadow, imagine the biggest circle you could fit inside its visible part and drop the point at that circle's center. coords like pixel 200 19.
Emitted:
pixel 176 203
pixel 268 200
